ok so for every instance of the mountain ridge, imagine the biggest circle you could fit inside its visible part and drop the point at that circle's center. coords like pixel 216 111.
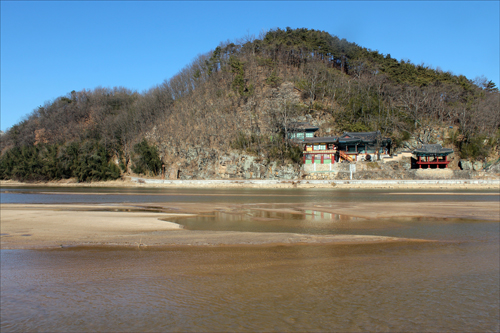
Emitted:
pixel 238 98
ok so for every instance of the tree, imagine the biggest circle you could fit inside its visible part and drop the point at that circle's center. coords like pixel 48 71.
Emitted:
pixel 147 160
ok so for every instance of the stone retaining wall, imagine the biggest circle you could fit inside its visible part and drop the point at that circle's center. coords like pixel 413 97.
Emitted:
pixel 493 182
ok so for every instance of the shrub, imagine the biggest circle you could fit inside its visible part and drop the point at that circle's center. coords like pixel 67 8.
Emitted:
pixel 147 161
pixel 475 148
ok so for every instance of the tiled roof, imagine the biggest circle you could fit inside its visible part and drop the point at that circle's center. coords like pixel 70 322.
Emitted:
pixel 363 136
pixel 323 139
pixel 431 149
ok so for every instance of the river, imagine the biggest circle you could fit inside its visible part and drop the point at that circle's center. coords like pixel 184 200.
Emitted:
pixel 448 285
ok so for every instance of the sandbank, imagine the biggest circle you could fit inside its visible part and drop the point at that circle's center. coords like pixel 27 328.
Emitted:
pixel 32 226
pixel 52 226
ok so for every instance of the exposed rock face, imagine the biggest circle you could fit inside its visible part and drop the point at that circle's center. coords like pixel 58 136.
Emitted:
pixel 465 165
pixel 172 173
pixel 494 168
pixel 425 135
pixel 206 163
pixel 477 165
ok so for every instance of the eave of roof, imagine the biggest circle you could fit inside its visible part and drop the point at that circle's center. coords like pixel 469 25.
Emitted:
pixel 321 139
pixel 366 137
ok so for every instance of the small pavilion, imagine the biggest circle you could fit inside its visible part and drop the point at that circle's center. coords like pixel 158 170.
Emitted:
pixel 432 156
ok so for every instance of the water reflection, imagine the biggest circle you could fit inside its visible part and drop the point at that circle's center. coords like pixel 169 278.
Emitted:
pixel 321 215
pixel 284 218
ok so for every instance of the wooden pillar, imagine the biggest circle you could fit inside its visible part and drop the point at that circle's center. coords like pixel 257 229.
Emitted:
pixel 419 162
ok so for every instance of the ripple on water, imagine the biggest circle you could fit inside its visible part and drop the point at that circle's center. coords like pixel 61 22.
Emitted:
pixel 376 287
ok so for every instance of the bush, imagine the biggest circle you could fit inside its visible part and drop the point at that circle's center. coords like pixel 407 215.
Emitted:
pixel 475 148
pixel 147 161
pixel 356 127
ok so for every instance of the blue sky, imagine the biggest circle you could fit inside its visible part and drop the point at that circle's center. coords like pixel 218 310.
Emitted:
pixel 51 48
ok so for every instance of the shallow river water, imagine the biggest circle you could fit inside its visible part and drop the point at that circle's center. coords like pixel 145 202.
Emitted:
pixel 448 285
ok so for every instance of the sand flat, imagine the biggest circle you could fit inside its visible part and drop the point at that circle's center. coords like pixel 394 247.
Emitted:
pixel 480 210
pixel 48 226
pixel 27 226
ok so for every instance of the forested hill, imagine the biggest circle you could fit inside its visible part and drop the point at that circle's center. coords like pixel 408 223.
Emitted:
pixel 239 97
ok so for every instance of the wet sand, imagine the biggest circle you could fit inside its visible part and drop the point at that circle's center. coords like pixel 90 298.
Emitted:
pixel 458 210
pixel 50 226
pixel 29 226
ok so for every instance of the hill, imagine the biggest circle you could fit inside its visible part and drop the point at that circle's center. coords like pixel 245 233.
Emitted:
pixel 233 104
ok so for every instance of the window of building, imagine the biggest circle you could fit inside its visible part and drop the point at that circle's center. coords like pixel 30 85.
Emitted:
pixel 309 135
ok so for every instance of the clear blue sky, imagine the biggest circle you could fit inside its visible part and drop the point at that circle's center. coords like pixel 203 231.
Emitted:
pixel 51 48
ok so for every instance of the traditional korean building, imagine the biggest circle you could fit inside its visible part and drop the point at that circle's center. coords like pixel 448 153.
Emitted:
pixel 320 150
pixel 328 150
pixel 432 156
pixel 299 131
pixel 363 143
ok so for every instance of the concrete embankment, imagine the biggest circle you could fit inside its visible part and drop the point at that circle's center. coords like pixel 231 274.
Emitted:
pixel 403 184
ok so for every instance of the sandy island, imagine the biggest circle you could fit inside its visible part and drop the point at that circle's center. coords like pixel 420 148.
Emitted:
pixel 31 226
pixel 49 226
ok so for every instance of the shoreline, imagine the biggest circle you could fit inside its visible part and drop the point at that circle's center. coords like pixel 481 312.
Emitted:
pixel 135 182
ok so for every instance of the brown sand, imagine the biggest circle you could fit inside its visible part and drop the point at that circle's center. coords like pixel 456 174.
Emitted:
pixel 48 226
pixel 26 226
pixel 459 210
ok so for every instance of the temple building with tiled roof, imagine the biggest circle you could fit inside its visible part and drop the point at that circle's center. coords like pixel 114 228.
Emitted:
pixel 432 156
pixel 356 143
pixel 299 131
